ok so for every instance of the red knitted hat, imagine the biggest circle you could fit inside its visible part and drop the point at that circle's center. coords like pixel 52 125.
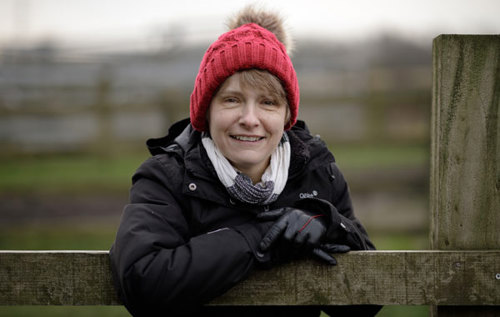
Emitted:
pixel 246 47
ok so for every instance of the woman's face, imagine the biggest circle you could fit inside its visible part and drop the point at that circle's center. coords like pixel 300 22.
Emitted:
pixel 246 124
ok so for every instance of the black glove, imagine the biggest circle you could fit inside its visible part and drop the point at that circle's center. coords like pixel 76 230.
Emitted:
pixel 324 250
pixel 302 230
pixel 297 226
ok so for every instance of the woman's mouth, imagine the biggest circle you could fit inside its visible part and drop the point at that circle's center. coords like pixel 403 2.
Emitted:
pixel 247 138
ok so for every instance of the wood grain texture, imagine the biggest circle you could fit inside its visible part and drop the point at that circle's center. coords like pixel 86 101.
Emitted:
pixel 56 278
pixel 363 277
pixel 465 153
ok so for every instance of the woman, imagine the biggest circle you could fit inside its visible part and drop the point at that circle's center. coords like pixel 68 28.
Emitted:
pixel 239 186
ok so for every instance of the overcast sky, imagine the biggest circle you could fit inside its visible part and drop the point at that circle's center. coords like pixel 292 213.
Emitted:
pixel 139 23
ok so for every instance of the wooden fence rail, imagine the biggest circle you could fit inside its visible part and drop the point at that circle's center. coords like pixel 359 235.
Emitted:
pixel 367 277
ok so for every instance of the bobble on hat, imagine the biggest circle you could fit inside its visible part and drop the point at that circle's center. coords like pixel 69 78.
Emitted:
pixel 246 47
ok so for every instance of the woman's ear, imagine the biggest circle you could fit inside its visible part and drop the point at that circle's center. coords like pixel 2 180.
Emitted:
pixel 288 115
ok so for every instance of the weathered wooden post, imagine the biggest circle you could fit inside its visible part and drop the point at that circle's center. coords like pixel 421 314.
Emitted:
pixel 465 154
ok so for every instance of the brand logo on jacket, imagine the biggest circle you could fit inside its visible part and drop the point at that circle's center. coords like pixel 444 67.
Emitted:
pixel 313 194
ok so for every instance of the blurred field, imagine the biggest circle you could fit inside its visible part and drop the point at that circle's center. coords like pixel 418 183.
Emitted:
pixel 79 173
pixel 62 174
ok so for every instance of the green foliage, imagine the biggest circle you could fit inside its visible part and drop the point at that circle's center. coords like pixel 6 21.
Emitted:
pixel 400 241
pixel 60 236
pixel 364 156
pixel 63 174
pixel 92 173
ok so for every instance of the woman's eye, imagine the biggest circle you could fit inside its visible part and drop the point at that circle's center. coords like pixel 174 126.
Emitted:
pixel 269 102
pixel 230 100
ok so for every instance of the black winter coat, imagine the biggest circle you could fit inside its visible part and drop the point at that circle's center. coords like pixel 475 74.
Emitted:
pixel 183 241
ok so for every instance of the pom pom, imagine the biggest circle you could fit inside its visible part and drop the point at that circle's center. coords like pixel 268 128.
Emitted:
pixel 268 20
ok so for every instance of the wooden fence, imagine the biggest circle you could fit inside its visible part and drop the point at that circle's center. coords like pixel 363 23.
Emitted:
pixel 463 269
pixel 361 277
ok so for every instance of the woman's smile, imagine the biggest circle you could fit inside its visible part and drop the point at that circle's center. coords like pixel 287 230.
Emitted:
pixel 246 138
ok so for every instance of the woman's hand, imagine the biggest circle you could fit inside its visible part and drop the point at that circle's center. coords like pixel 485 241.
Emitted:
pixel 302 230
pixel 297 226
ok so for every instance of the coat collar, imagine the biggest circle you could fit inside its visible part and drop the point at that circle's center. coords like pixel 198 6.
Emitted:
pixel 186 142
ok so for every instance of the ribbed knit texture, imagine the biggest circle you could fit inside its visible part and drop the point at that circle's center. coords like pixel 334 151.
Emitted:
pixel 246 47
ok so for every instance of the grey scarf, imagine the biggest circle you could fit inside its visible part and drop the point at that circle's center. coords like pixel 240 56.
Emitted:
pixel 240 186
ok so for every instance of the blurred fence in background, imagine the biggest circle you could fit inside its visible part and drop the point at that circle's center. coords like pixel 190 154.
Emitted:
pixel 58 101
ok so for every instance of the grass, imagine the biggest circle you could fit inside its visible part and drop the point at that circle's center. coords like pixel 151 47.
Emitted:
pixel 400 240
pixel 63 174
pixel 60 236
pixel 99 236
pixel 84 173
pixel 365 156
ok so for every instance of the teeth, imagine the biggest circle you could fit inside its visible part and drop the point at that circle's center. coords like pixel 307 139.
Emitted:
pixel 246 138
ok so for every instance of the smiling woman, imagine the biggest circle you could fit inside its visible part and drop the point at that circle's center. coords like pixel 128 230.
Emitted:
pixel 246 125
pixel 239 186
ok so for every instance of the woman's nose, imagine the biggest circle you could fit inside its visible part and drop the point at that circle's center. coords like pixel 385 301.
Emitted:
pixel 249 115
